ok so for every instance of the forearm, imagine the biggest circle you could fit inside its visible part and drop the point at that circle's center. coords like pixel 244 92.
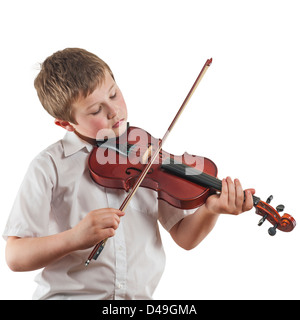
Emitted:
pixel 191 230
pixel 27 254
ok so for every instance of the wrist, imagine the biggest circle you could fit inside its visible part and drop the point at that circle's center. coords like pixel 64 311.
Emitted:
pixel 70 240
pixel 210 210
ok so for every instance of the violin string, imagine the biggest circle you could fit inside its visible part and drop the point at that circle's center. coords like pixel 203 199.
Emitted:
pixel 197 176
pixel 192 174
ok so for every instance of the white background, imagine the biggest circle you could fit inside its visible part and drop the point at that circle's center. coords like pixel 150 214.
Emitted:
pixel 243 116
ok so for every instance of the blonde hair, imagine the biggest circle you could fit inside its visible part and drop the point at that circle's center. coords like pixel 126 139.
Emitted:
pixel 66 75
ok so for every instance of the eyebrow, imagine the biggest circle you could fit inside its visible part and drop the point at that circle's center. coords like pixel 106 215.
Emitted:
pixel 89 107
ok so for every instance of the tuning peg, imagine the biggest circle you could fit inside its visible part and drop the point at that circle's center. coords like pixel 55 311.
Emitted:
pixel 280 208
pixel 272 230
pixel 269 199
pixel 262 220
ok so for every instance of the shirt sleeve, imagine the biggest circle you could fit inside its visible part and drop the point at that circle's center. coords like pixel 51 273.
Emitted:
pixel 30 214
pixel 168 216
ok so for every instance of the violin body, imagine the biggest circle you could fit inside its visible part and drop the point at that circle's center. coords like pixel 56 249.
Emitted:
pixel 123 168
pixel 184 181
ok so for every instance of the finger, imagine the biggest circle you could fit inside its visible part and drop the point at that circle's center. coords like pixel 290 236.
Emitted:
pixel 248 203
pixel 108 219
pixel 231 193
pixel 108 222
pixel 107 233
pixel 224 192
pixel 239 194
pixel 120 213
pixel 103 212
pixel 116 211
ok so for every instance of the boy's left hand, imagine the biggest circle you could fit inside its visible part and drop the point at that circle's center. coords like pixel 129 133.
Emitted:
pixel 232 199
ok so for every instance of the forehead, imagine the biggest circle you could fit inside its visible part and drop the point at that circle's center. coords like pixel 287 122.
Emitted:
pixel 98 95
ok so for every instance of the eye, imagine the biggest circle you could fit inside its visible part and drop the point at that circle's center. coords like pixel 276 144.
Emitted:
pixel 114 95
pixel 98 111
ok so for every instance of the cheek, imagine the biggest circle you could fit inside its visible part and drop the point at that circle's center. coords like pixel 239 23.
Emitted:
pixel 91 127
pixel 124 110
pixel 122 104
pixel 96 124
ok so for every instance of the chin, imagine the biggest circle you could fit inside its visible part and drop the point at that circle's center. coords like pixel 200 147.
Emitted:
pixel 104 134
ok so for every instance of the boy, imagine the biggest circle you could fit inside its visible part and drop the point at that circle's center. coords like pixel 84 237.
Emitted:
pixel 60 213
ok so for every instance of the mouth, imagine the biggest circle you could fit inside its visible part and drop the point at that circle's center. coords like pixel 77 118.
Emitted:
pixel 118 124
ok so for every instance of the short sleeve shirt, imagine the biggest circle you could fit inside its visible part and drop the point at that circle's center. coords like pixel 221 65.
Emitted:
pixel 56 193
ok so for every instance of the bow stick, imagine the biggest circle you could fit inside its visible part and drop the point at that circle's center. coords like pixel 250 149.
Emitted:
pixel 100 246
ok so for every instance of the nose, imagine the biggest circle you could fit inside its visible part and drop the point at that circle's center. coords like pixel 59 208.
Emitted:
pixel 111 112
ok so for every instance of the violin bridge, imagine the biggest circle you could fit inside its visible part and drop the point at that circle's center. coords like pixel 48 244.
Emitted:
pixel 147 155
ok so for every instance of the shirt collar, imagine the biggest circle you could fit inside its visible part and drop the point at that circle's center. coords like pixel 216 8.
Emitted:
pixel 72 144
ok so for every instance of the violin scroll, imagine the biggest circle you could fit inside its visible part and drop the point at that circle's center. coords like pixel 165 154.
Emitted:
pixel 285 223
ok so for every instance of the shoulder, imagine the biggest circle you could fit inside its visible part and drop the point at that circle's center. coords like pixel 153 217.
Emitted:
pixel 64 158
pixel 50 154
pixel 44 163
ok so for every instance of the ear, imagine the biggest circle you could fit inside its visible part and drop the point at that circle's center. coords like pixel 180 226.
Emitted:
pixel 64 124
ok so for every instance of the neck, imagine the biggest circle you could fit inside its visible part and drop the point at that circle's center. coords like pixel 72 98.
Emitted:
pixel 196 176
pixel 87 139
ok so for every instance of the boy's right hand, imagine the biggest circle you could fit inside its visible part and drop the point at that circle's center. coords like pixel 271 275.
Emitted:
pixel 96 226
pixel 32 253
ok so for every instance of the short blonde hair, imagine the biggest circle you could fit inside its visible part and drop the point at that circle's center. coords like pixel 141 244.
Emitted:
pixel 65 76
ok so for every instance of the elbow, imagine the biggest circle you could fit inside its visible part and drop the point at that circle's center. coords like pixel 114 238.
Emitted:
pixel 189 247
pixel 11 259
pixel 12 262
pixel 13 266
pixel 186 245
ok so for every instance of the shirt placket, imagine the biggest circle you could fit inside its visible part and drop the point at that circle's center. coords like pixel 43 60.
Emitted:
pixel 120 253
pixel 121 264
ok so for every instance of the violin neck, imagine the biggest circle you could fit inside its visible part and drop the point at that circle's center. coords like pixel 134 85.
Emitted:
pixel 196 176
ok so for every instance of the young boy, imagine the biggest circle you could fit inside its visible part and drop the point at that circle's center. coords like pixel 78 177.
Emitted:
pixel 59 213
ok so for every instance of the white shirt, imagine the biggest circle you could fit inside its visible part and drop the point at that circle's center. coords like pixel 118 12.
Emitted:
pixel 57 192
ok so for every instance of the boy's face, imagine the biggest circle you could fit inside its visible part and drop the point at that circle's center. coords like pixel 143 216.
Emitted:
pixel 104 108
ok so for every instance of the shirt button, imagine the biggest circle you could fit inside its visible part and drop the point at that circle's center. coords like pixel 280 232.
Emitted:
pixel 119 285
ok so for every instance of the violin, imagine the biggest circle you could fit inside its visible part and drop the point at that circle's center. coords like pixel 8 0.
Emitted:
pixel 185 181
